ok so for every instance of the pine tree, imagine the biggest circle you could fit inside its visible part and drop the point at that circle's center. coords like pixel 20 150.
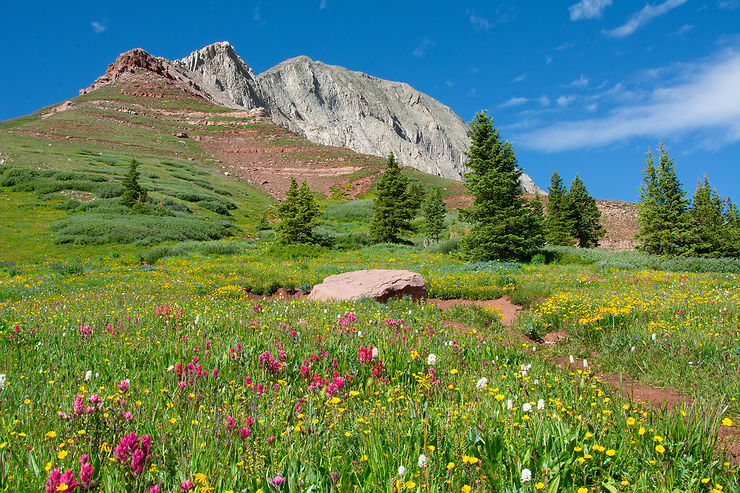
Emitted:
pixel 504 225
pixel 731 231
pixel 394 207
pixel 662 212
pixel 434 214
pixel 558 223
pixel 297 213
pixel 707 221
pixel 133 194
pixel 584 214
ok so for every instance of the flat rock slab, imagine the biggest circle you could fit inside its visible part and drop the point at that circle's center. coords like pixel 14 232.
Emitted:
pixel 378 284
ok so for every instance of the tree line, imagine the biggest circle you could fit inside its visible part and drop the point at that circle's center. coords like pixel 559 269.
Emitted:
pixel 504 225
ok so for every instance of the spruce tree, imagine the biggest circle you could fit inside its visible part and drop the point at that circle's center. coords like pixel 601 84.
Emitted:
pixel 394 207
pixel 297 213
pixel 504 226
pixel 662 212
pixel 731 231
pixel 133 193
pixel 434 214
pixel 558 223
pixel 584 214
pixel 707 221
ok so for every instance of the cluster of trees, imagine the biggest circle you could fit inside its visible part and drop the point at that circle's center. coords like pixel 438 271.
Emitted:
pixel 671 224
pixel 572 215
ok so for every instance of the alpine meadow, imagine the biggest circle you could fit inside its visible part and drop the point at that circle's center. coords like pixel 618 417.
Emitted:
pixel 311 279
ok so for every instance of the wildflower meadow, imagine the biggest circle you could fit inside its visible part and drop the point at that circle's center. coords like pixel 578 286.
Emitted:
pixel 171 378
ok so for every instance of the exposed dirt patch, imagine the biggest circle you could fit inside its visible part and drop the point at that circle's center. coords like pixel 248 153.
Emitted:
pixel 509 311
pixel 280 294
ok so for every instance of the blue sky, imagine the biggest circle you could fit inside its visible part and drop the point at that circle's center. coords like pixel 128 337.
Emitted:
pixel 579 86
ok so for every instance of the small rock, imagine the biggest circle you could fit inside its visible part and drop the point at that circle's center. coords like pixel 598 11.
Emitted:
pixel 181 135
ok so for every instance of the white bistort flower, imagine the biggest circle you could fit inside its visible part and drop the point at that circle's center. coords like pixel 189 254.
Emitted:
pixel 2 381
pixel 509 404
pixel 375 352
pixel 401 471
pixel 481 384
pixel 423 460
pixel 88 375
pixel 432 359
pixel 526 475
pixel 541 404
pixel 526 407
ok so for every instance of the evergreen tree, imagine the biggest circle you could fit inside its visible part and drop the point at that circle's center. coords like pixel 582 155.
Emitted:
pixel 558 223
pixel 731 231
pixel 434 214
pixel 298 214
pixel 504 225
pixel 707 221
pixel 662 212
pixel 584 215
pixel 417 195
pixel 133 194
pixel 394 207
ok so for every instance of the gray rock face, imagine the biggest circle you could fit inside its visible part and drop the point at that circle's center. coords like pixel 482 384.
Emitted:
pixel 334 106
pixel 378 284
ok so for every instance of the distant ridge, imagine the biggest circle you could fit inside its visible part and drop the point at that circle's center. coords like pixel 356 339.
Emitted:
pixel 327 104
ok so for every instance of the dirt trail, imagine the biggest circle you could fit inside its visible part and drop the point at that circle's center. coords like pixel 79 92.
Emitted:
pixel 646 395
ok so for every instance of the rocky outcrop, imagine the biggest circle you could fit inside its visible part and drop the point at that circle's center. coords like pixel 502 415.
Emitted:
pixel 378 284
pixel 335 106
pixel 327 104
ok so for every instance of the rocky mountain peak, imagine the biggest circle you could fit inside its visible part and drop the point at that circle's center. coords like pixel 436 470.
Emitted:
pixel 129 62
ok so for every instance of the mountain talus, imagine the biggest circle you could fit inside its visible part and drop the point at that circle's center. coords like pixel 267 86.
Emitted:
pixel 328 105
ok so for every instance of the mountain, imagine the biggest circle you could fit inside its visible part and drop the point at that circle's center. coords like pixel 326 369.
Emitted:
pixel 334 106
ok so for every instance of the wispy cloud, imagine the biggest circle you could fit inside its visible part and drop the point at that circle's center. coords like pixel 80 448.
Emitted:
pixel 513 102
pixel 98 26
pixel 548 60
pixel 258 14
pixel 449 83
pixel 580 82
pixel 588 9
pixel 705 97
pixel 639 19
pixel 683 30
pixel 728 4
pixel 565 46
pixel 520 78
pixel 322 5
pixel 479 23
pixel 544 100
pixel 564 101
pixel 421 50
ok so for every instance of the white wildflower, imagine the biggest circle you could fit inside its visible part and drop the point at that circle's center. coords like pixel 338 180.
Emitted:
pixel 88 375
pixel 653 336
pixel 571 359
pixel 541 404
pixel 526 475
pixel 359 333
pixel 526 407
pixel 170 368
pixel 197 319
pixel 423 461
pixel 2 381
pixel 375 352
pixel 509 404
pixel 432 359
pixel 401 471
pixel 585 363
pixel 481 384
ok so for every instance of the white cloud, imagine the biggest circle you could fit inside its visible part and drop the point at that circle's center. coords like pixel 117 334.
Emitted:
pixel 98 27
pixel 708 98
pixel 421 50
pixel 258 14
pixel 728 4
pixel 588 9
pixel 639 19
pixel 580 82
pixel 449 83
pixel 565 100
pixel 513 102
pixel 683 30
pixel 592 107
pixel 520 78
pixel 544 100
pixel 565 46
pixel 548 60
pixel 480 23
pixel 322 5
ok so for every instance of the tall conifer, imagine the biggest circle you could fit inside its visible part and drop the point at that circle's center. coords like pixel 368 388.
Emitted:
pixel 558 224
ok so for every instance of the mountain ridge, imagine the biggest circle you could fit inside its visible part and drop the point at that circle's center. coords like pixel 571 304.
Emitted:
pixel 327 104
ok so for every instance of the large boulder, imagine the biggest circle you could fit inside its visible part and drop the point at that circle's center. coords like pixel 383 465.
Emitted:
pixel 378 284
